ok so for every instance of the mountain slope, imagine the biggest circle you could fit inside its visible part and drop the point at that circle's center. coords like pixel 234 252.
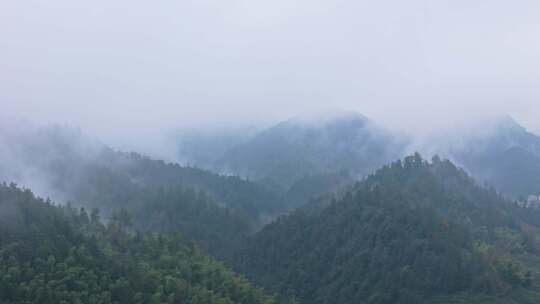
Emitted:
pixel 60 160
pixel 55 255
pixel 411 232
pixel 503 154
pixel 67 165
pixel 203 147
pixel 300 147
pixel 313 187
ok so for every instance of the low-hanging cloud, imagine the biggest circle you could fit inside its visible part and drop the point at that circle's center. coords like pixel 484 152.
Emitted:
pixel 130 69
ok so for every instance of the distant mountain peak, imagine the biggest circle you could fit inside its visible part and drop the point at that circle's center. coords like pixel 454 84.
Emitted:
pixel 507 122
pixel 328 117
pixel 314 144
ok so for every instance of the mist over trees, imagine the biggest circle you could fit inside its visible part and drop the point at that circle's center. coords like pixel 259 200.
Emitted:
pixel 315 212
pixel 69 166
pixel 269 152
pixel 497 151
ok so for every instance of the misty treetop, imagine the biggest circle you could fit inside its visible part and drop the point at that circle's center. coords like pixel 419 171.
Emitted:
pixel 298 147
pixel 71 164
pixel 498 151
pixel 213 209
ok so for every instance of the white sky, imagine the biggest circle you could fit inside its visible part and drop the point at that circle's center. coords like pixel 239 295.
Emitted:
pixel 127 65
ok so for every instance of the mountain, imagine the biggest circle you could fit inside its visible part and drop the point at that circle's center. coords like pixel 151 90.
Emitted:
pixel 312 187
pixel 51 254
pixel 413 232
pixel 305 146
pixel 203 147
pixel 67 165
pixel 501 153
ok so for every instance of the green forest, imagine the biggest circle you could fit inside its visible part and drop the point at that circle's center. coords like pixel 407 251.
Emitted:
pixel 59 254
pixel 128 228
pixel 411 231
pixel 269 152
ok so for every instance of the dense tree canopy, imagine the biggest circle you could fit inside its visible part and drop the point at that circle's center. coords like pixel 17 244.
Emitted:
pixel 412 230
pixel 52 254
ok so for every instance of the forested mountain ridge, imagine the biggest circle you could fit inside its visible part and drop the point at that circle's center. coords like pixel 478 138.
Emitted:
pixel 312 187
pixel 61 155
pixel 497 151
pixel 407 234
pixel 230 191
pixel 203 147
pixel 64 163
pixel 301 146
pixel 413 232
pixel 501 153
pixel 51 254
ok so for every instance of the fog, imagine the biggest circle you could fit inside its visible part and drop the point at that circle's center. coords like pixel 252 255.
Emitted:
pixel 128 70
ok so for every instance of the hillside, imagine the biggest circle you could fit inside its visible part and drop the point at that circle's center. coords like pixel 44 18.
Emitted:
pixel 203 147
pixel 313 187
pixel 502 153
pixel 302 146
pixel 67 165
pixel 412 232
pixel 52 254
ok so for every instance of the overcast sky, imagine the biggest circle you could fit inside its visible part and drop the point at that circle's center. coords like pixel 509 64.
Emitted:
pixel 129 64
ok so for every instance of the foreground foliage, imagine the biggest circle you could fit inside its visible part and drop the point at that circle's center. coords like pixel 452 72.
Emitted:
pixel 56 255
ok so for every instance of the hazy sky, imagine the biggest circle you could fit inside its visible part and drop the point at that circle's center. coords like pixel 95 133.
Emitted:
pixel 130 65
